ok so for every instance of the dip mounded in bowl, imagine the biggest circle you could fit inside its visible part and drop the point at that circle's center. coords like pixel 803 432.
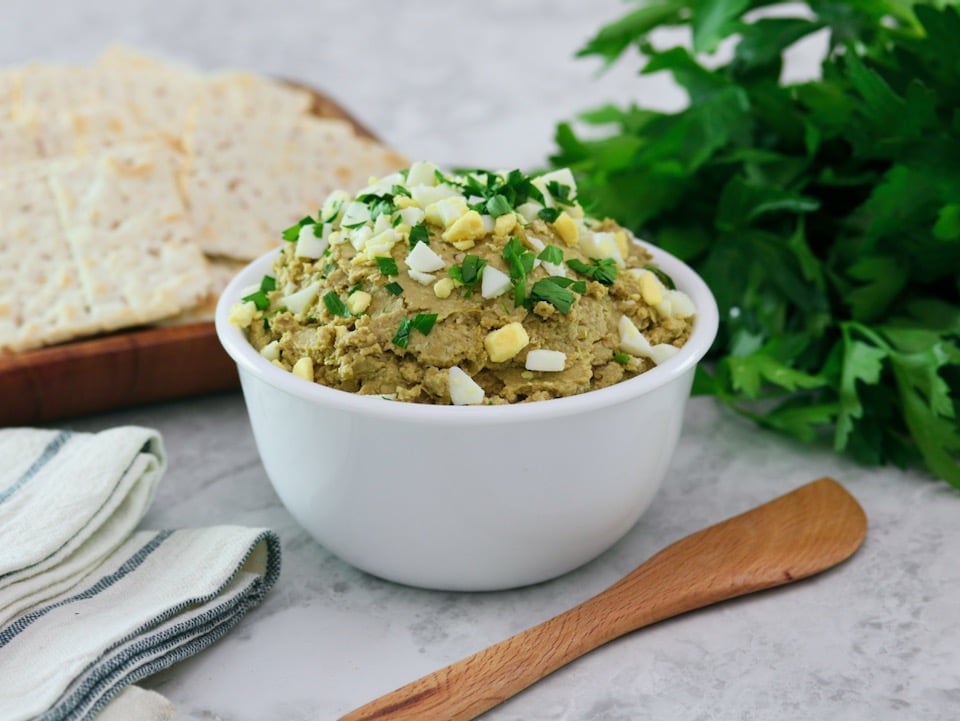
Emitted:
pixel 467 497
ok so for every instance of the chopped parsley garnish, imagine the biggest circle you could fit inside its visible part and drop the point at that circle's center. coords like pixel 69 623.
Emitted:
pixel 387 265
pixel 499 194
pixel 419 234
pixel 333 213
pixel 469 271
pixel 354 288
pixel 292 233
pixel 621 358
pixel 498 205
pixel 519 259
pixel 439 177
pixel 400 190
pixel 520 262
pixel 602 270
pixel 422 322
pixel 551 254
pixel 555 291
pixel 334 305
pixel 393 288
pixel 560 192
pixel 259 297
pixel 663 277
pixel 383 206
pixel 549 214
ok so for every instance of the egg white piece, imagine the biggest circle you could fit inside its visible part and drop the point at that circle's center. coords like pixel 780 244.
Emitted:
pixel 550 361
pixel 464 391
pixel 493 282
pixel 309 245
pixel 297 302
pixel 423 259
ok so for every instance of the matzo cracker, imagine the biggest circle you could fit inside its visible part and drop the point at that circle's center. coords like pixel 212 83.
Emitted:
pixel 126 224
pixel 42 300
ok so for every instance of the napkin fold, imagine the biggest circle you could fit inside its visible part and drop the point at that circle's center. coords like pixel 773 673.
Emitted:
pixel 88 605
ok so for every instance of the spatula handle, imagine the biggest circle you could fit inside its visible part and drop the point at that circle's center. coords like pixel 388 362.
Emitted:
pixel 477 683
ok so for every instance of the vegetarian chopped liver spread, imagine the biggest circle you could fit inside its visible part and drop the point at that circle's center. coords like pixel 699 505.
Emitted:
pixel 432 288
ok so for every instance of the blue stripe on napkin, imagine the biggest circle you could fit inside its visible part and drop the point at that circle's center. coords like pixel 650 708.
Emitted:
pixel 53 447
pixel 131 564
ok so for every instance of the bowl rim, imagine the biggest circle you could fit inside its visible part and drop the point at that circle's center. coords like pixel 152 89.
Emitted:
pixel 248 359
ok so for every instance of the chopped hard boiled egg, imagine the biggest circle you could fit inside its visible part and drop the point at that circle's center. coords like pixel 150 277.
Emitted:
pixel 355 213
pixel 358 302
pixel 464 391
pixel 443 287
pixel 304 368
pixel 651 288
pixel 494 282
pixel 309 245
pixel 420 277
pixel 680 304
pixel 631 339
pixel 567 229
pixel 447 211
pixel 271 351
pixel 242 314
pixel 422 173
pixel 546 360
pixel 602 245
pixel 468 227
pixel 504 343
pixel 297 302
pixel 423 259
pixel 662 352
pixel 505 224
pixel 410 216
pixel 635 343
pixel 529 210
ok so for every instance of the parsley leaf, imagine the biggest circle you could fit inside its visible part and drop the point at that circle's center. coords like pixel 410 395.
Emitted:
pixel 292 233
pixel 259 297
pixel 602 270
pixel 387 265
pixel 549 214
pixel 471 268
pixel 823 214
pixel 334 305
pixel 551 254
pixel 419 234
pixel 661 275
pixel 520 263
pixel 498 205
pixel 422 322
pixel 552 290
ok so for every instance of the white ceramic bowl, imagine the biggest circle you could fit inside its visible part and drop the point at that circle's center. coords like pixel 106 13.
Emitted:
pixel 460 497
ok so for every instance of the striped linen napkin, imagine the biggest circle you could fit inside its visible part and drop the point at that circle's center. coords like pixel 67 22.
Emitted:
pixel 88 604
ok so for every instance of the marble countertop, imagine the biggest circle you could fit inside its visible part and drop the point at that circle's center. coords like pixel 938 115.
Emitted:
pixel 484 84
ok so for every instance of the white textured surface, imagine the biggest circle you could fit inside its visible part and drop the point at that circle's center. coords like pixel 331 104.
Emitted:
pixel 484 83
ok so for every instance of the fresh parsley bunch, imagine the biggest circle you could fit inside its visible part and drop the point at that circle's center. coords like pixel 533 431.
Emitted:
pixel 824 215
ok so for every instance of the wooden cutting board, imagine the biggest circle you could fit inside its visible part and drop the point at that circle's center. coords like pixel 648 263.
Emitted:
pixel 124 369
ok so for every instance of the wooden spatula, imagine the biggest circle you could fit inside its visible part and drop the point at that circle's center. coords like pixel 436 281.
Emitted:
pixel 794 536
